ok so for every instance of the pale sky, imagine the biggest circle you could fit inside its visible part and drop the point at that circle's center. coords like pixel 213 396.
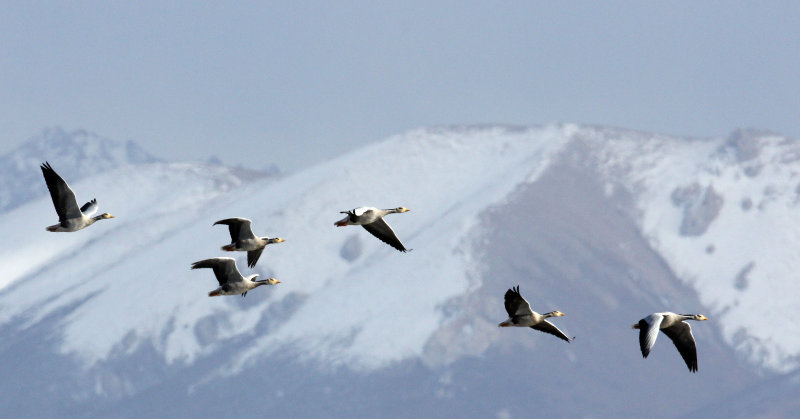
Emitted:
pixel 293 83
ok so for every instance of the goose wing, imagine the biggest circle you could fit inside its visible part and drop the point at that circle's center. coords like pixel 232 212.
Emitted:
pixel 681 335
pixel 360 212
pixel 252 257
pixel 63 197
pixel 224 269
pixel 648 332
pixel 547 327
pixel 382 231
pixel 238 227
pixel 516 305
pixel 90 208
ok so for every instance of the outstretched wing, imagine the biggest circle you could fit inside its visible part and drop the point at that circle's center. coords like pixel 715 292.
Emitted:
pixel 382 231
pixel 648 332
pixel 63 197
pixel 252 257
pixel 224 269
pixel 547 327
pixel 239 228
pixel 515 304
pixel 681 335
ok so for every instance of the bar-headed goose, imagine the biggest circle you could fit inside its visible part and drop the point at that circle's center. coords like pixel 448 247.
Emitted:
pixel 521 315
pixel 231 282
pixel 243 239
pixel 70 217
pixel 371 219
pixel 675 328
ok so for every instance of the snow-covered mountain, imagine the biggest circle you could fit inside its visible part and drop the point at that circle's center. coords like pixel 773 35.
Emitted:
pixel 727 226
pixel 604 224
pixel 79 154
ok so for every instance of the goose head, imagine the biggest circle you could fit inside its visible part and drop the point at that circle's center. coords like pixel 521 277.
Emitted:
pixel 268 281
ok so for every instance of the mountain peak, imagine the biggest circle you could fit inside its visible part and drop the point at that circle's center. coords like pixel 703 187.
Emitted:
pixel 81 146
pixel 74 154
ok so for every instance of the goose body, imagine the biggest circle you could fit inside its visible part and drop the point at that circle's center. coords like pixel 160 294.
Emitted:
pixel 231 281
pixel 243 239
pixel 674 326
pixel 70 217
pixel 520 314
pixel 371 219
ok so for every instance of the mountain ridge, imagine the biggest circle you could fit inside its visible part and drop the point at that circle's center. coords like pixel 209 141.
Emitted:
pixel 78 153
pixel 566 211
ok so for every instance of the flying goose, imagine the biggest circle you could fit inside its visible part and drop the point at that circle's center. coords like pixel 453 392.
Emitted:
pixel 70 217
pixel 521 315
pixel 371 219
pixel 231 282
pixel 675 328
pixel 243 239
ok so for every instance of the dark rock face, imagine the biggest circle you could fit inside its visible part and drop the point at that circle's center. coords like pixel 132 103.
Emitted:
pixel 701 207
pixel 745 144
pixel 351 249
pixel 742 281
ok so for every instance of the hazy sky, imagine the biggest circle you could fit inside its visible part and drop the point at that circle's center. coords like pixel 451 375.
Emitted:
pixel 296 82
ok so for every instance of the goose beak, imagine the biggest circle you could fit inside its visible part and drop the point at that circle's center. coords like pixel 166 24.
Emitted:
pixel 702 317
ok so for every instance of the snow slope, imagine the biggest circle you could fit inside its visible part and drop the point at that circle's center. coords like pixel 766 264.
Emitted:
pixel 355 302
pixel 723 213
pixel 140 290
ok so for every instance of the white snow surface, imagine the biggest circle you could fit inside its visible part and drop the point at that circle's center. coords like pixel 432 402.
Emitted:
pixel 130 282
